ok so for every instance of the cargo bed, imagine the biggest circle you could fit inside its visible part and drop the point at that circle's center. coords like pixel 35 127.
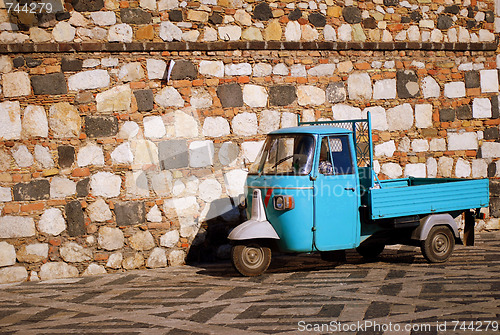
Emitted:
pixel 418 196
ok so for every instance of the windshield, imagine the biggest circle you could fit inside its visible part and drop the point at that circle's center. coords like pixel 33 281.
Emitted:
pixel 285 154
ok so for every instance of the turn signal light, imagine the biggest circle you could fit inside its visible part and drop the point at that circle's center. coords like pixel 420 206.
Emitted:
pixel 283 202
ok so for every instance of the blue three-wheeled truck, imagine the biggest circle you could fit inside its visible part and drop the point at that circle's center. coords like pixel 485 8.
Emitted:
pixel 312 188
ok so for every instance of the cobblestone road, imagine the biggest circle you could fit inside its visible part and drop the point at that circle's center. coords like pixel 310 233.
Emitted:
pixel 298 293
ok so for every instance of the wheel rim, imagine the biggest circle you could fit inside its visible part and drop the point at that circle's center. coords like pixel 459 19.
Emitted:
pixel 253 257
pixel 441 244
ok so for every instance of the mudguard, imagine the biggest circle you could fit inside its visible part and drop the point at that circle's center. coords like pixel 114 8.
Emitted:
pixel 426 224
pixel 253 229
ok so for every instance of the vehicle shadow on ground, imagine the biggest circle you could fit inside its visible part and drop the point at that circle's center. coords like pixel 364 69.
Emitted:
pixel 290 263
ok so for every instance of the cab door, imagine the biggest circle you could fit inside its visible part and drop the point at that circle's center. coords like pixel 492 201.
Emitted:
pixel 336 195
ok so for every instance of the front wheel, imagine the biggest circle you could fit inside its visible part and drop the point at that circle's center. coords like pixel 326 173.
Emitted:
pixel 438 245
pixel 250 259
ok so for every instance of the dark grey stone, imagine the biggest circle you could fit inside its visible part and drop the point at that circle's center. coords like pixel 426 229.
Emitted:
pixel 472 79
pixel 34 190
pixel 61 16
pixel 18 61
pixel 335 92
pixel 101 126
pixel 173 154
pixel 489 16
pixel 492 170
pixel 184 69
pixel 30 62
pixel 370 23
pixel 66 154
pixel 317 19
pixel 405 19
pixel 444 22
pixel 351 14
pixel 495 111
pixel 295 15
pixel 391 2
pixel 230 95
pixel 46 20
pixel 454 9
pixel 53 83
pixel 282 95
pixel 471 24
pixel 145 100
pixel 75 219
pixel 82 188
pixel 215 18
pixel 130 213
pixel 135 16
pixel 464 112
pixel 415 16
pixel 495 188
pixel 71 64
pixel 407 84
pixel 495 207
pixel 491 133
pixel 262 12
pixel 87 5
pixel 175 15
pixel 447 115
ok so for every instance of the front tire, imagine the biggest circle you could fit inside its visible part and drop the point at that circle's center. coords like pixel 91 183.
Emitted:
pixel 251 259
pixel 438 245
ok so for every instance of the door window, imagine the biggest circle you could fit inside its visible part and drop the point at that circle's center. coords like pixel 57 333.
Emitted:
pixel 335 156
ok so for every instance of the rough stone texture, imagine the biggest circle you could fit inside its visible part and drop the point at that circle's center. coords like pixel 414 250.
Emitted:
pixel 61 187
pixel 133 262
pixel 462 141
pixel 472 79
pixel 115 260
pixel 245 124
pixel 210 190
pixel 16 84
pixel 386 149
pixel 105 184
pixel 169 97
pixel 7 254
pixel 144 99
pixel 282 95
pixel 101 126
pixel 462 168
pixel 384 89
pixel 5 194
pixel 235 182
pixel 351 14
pixel 33 253
pixel 255 96
pixel 57 270
pixel 430 88
pixel 22 156
pixel 110 238
pixel 34 122
pixel 201 153
pixel 201 98
pixel 154 127
pixel 400 117
pixel 16 226
pixel 142 240
pixel 454 90
pixel 34 190
pixel 66 155
pixel 115 99
pixel 481 108
pixel 94 270
pixel 83 188
pixel 130 213
pixel 423 116
pixel 64 120
pixel 75 219
pixel 91 154
pixel 54 83
pixel 88 80
pixel 241 69
pixel 99 211
pixel 13 274
pixel 415 170
pixel 310 95
pixel 122 33
pixel 490 150
pixel 10 120
pixel 228 153
pixel 464 112
pixel 269 120
pixel 74 253
pixel 447 115
pixel 212 68
pixel 407 84
pixel 216 127
pixel 135 16
pixel 131 72
pixel 359 86
pixel 87 5
pixel 71 64
pixel 420 145
pixel 157 259
pixel 230 95
pixel 176 257
pixel 173 154
pixel 293 31
pixel 392 170
pixel 122 154
pixel 345 112
pixel 136 184
pixel 154 214
pixel 170 239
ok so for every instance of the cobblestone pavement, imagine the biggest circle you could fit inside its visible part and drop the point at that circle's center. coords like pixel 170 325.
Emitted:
pixel 298 293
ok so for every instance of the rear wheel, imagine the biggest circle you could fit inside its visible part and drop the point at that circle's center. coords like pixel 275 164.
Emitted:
pixel 250 259
pixel 370 251
pixel 438 245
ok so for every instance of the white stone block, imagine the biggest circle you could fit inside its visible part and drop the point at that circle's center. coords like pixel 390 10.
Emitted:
pixel 183 207
pixel 62 187
pixel 169 97
pixel 329 33
pixel 122 154
pixel 288 120
pixel 7 254
pixel 454 89
pixel 462 168
pixel 6 64
pixel 64 120
pixel 72 252
pixel 322 70
pixel 201 154
pixel 212 68
pixel 99 211
pixel 229 33
pixel 167 4
pixel 445 166
pixel 431 167
pixel 5 194
pixel 110 238
pixel 57 270
pixel 462 141
pixel 136 184
pixel 63 32
pixel 235 182
pixel 392 170
pixel 359 86
pixel 490 150
pixel 170 239
pixel 400 117
pixel 241 69
pixel 404 144
pixel 22 156
pixel 269 120
pixel 298 70
pixel 430 88
pixel 251 149
pixel 118 98
pixel 245 124
pixel 385 149
pixel 345 112
pixel 33 253
pixel 13 274
pixel 145 152
pixel 52 222
pixel 255 95
pixel 154 127
pixel 185 125
pixel 479 168
pixel 91 154
pixel 415 170
pixel 142 240
pixel 216 127
pixel 103 18
pixel 89 80
pixel 437 144
pixel 310 95
pixel 94 270
pixel 121 33
pixel 156 68
pixel 154 214
pixel 210 190
pixel 420 145
pixel 105 184
pixel 384 89
pixel 35 122
pixel 262 70
pixel 200 98
pixel 281 70
pixel 423 115
pixel 157 259
pixel 10 120
pixel 131 72
pixel 489 81
pixel 345 33
pixel 293 32
pixel 16 84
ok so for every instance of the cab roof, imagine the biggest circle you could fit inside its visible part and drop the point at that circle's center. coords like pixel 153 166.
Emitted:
pixel 313 130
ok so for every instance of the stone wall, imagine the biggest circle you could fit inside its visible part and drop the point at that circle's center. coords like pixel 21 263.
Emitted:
pixel 108 162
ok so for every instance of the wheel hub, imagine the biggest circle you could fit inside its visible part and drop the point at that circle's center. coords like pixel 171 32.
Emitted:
pixel 441 244
pixel 253 257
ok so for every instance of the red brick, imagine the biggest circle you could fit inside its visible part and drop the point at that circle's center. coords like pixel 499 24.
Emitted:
pixel 10 208
pixel 81 172
pixel 243 79
pixel 32 207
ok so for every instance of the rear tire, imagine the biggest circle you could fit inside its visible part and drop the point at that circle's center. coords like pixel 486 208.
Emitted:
pixel 370 251
pixel 251 259
pixel 438 245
